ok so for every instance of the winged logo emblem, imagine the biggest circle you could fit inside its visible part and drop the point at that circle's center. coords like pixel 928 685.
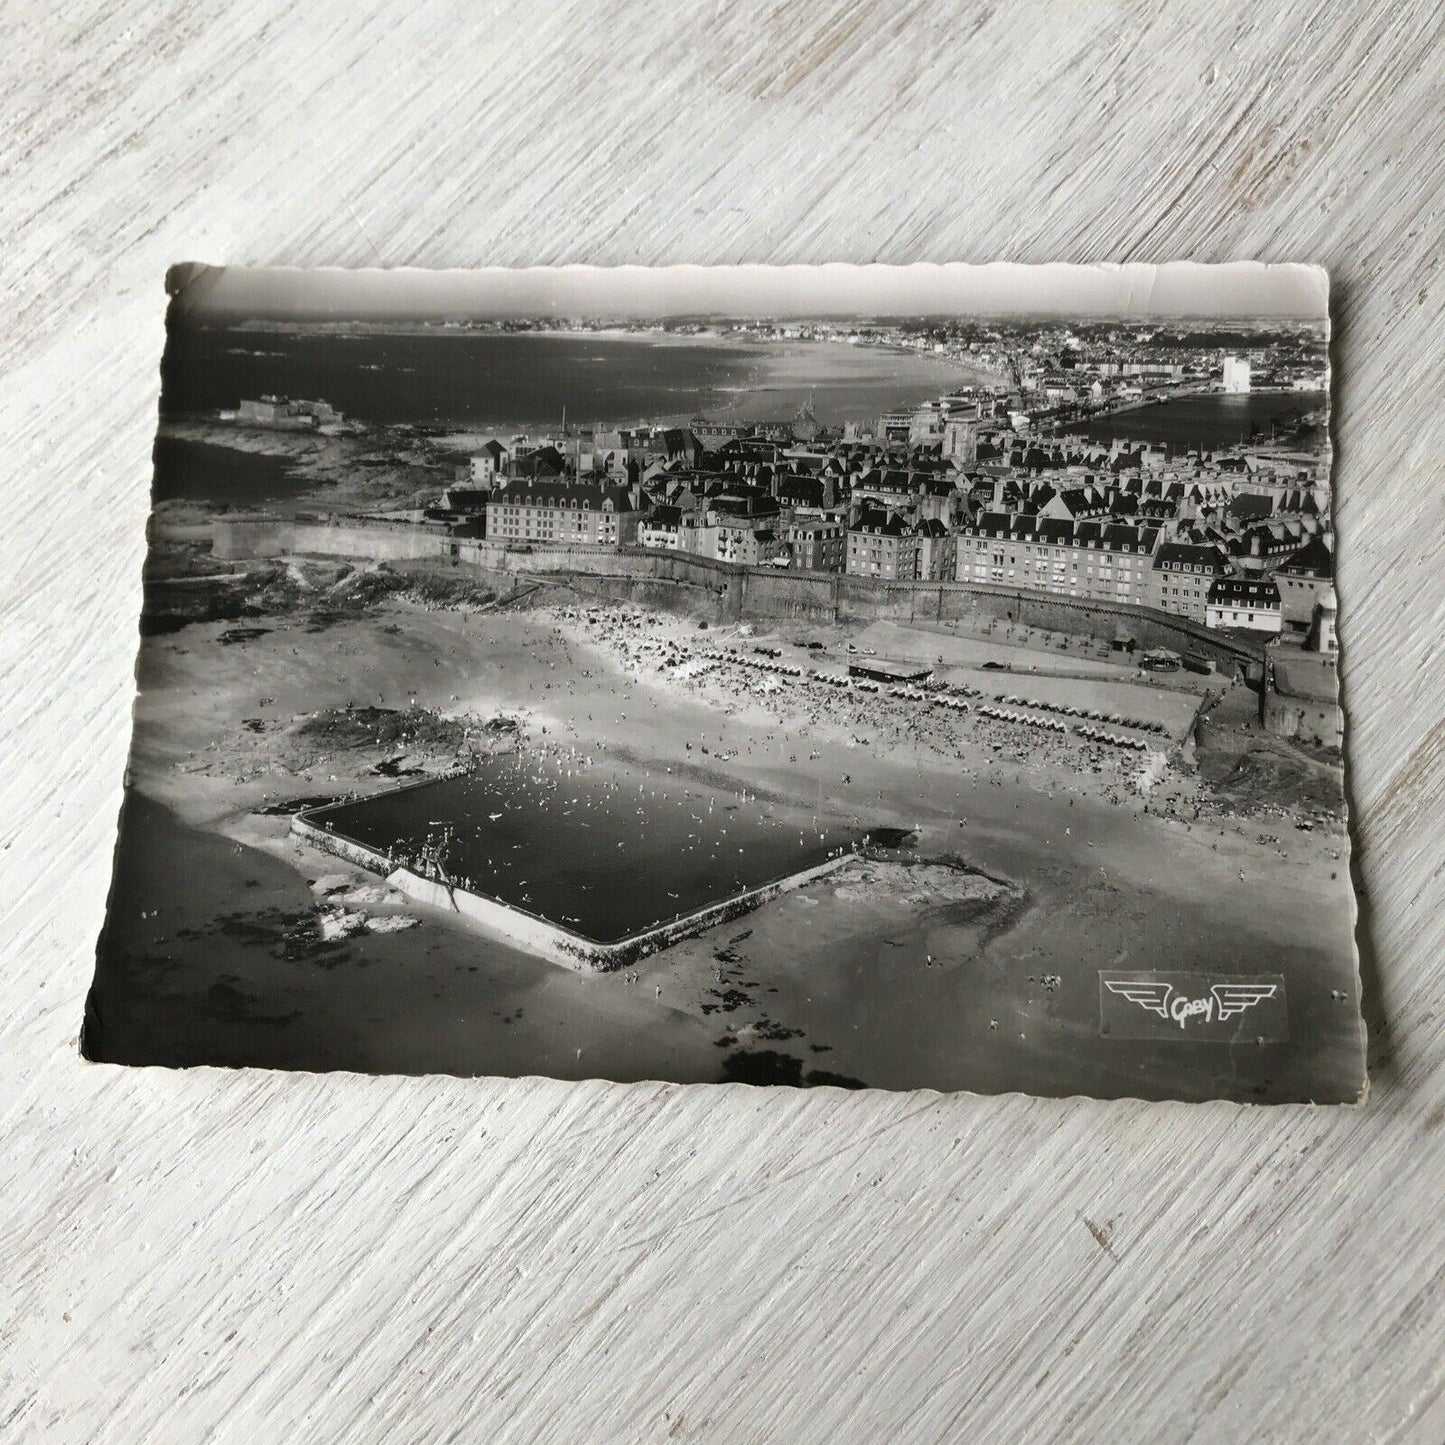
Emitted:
pixel 1223 1001
pixel 1235 998
pixel 1151 996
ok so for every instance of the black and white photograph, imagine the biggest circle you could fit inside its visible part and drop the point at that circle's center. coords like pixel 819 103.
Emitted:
pixel 870 678
pixel 725 724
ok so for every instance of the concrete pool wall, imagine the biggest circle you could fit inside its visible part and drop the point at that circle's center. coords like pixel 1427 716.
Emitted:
pixel 342 847
pixel 539 935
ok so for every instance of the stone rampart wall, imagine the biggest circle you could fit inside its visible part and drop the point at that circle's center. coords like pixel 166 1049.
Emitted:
pixel 723 591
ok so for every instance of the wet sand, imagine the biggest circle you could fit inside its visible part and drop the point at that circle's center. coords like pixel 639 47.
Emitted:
pixel 837 983
pixel 843 382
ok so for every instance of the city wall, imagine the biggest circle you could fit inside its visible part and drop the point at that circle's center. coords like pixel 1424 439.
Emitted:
pixel 1317 724
pixel 723 591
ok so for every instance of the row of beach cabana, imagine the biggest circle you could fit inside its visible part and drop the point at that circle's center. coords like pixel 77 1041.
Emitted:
pixel 1086 713
pixel 1003 714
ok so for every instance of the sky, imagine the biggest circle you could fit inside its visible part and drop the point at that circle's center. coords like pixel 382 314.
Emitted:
pixel 1234 289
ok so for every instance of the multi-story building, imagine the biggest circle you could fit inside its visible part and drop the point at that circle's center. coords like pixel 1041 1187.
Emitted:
pixel 816 494
pixel 1237 376
pixel 894 426
pixel 937 551
pixel 743 499
pixel 488 464
pixel 744 541
pixel 542 462
pixel 1075 504
pixel 558 511
pixel 890 488
pixel 1102 561
pixel 1323 636
pixel 715 433
pixel 925 426
pixel 1304 578
pixel 1249 603
pixel 1262 548
pixel 464 499
pixel 960 439
pixel 882 545
pixel 661 528
pixel 820 544
pixel 1182 574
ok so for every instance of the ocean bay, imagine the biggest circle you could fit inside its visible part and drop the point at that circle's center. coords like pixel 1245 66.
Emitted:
pixel 464 378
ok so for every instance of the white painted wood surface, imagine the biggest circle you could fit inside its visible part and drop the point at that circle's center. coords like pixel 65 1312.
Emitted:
pixel 253 1257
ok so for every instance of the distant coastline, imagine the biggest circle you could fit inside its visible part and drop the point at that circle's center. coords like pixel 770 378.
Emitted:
pixel 399 326
pixel 499 379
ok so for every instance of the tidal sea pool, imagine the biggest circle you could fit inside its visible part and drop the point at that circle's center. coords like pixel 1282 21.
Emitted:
pixel 604 847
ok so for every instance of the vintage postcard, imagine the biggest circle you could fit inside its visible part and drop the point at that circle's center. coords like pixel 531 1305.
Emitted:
pixel 870 677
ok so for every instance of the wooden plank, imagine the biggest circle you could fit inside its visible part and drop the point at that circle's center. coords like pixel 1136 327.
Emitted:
pixel 251 1256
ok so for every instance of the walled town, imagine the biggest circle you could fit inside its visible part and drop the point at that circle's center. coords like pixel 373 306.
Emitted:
pixel 981 486
pixel 1088 686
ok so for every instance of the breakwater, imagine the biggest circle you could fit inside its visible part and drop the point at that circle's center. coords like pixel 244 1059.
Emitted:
pixel 726 591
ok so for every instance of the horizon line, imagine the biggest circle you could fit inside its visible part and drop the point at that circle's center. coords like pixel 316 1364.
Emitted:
pixel 1178 290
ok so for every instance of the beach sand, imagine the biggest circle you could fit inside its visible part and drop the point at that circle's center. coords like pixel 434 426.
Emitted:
pixel 843 382
pixel 840 982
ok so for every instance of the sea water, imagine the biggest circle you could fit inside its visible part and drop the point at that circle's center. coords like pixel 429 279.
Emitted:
pixel 1214 420
pixel 454 377
pixel 603 847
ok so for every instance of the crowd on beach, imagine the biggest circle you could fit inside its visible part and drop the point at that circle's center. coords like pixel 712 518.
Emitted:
pixel 805 707
pixel 1005 740
pixel 953 719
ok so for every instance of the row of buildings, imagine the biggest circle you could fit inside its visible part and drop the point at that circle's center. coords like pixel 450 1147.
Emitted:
pixel 1235 539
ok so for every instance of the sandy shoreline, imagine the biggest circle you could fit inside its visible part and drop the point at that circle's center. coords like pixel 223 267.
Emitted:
pixel 841 382
pixel 825 981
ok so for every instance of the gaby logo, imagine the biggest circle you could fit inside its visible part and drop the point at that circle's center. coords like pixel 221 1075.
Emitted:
pixel 1223 1000
pixel 1201 1007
